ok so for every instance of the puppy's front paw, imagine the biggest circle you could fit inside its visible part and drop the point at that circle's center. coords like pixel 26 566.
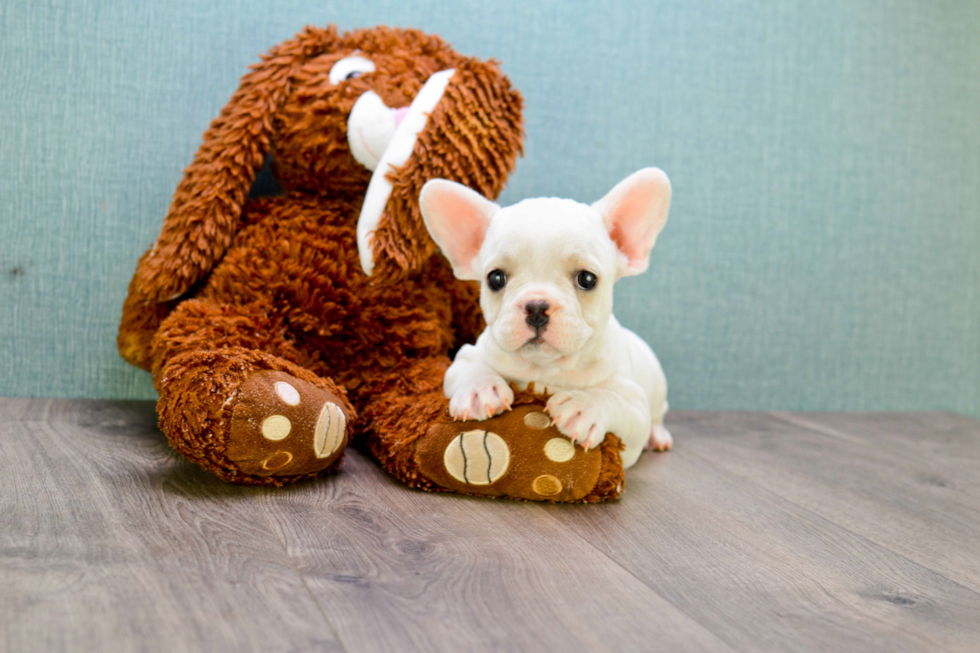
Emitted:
pixel 481 399
pixel 660 439
pixel 580 416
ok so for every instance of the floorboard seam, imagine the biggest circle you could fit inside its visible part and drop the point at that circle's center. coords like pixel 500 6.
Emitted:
pixel 843 528
pixel 792 420
pixel 641 581
pixel 821 518
pixel 814 427
pixel 871 542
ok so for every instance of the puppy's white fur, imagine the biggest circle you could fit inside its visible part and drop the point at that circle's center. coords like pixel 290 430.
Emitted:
pixel 602 376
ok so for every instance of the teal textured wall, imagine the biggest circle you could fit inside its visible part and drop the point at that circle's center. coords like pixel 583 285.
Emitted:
pixel 823 251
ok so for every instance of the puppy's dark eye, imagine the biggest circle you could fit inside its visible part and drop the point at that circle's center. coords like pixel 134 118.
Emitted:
pixel 354 73
pixel 496 280
pixel 586 280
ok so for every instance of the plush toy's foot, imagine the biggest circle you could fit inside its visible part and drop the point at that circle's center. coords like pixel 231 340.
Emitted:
pixel 283 426
pixel 519 455
pixel 253 418
pixel 515 455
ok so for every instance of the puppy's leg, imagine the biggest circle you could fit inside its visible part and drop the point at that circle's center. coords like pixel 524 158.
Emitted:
pixel 581 415
pixel 475 390
pixel 660 438
pixel 655 385
pixel 618 407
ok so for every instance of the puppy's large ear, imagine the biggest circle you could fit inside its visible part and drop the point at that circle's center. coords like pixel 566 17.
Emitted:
pixel 206 209
pixel 457 218
pixel 634 213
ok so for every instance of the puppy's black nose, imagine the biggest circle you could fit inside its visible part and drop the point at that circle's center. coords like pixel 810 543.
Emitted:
pixel 536 316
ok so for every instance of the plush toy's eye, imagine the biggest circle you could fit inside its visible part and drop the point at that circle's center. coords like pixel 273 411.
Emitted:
pixel 496 280
pixel 586 280
pixel 349 68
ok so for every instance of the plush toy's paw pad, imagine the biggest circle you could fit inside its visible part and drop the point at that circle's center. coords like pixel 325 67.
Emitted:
pixel 518 454
pixel 282 426
pixel 660 439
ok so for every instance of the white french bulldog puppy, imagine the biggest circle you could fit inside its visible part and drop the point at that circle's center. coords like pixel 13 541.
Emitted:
pixel 547 268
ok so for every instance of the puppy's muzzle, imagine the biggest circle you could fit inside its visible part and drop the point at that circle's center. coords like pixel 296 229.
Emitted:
pixel 537 314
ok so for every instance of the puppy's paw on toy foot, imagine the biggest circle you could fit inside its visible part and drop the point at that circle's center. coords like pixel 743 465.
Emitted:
pixel 660 439
pixel 580 417
pixel 481 399
pixel 519 455
pixel 284 426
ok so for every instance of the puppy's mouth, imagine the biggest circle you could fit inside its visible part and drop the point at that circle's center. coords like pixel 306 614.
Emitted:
pixel 538 344
pixel 382 139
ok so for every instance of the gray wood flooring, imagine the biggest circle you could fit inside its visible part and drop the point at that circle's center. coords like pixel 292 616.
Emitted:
pixel 759 532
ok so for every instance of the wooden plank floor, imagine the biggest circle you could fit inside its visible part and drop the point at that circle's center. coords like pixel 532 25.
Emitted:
pixel 759 532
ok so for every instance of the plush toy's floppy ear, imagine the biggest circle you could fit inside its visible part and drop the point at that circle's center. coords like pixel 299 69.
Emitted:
pixel 634 213
pixel 472 136
pixel 457 218
pixel 206 208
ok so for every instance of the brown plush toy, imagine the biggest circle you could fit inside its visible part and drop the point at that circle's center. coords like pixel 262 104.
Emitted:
pixel 279 328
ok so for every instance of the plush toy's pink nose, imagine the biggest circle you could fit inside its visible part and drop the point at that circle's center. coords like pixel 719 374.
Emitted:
pixel 400 115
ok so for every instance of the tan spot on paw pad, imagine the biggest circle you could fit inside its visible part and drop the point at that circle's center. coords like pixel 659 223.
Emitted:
pixel 477 457
pixel 287 392
pixel 330 428
pixel 277 460
pixel 546 485
pixel 276 427
pixel 537 420
pixel 559 450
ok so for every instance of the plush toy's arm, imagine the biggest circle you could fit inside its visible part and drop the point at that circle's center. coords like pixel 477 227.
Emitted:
pixel 473 136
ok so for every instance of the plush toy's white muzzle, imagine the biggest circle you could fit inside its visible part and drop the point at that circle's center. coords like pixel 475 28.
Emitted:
pixel 371 126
